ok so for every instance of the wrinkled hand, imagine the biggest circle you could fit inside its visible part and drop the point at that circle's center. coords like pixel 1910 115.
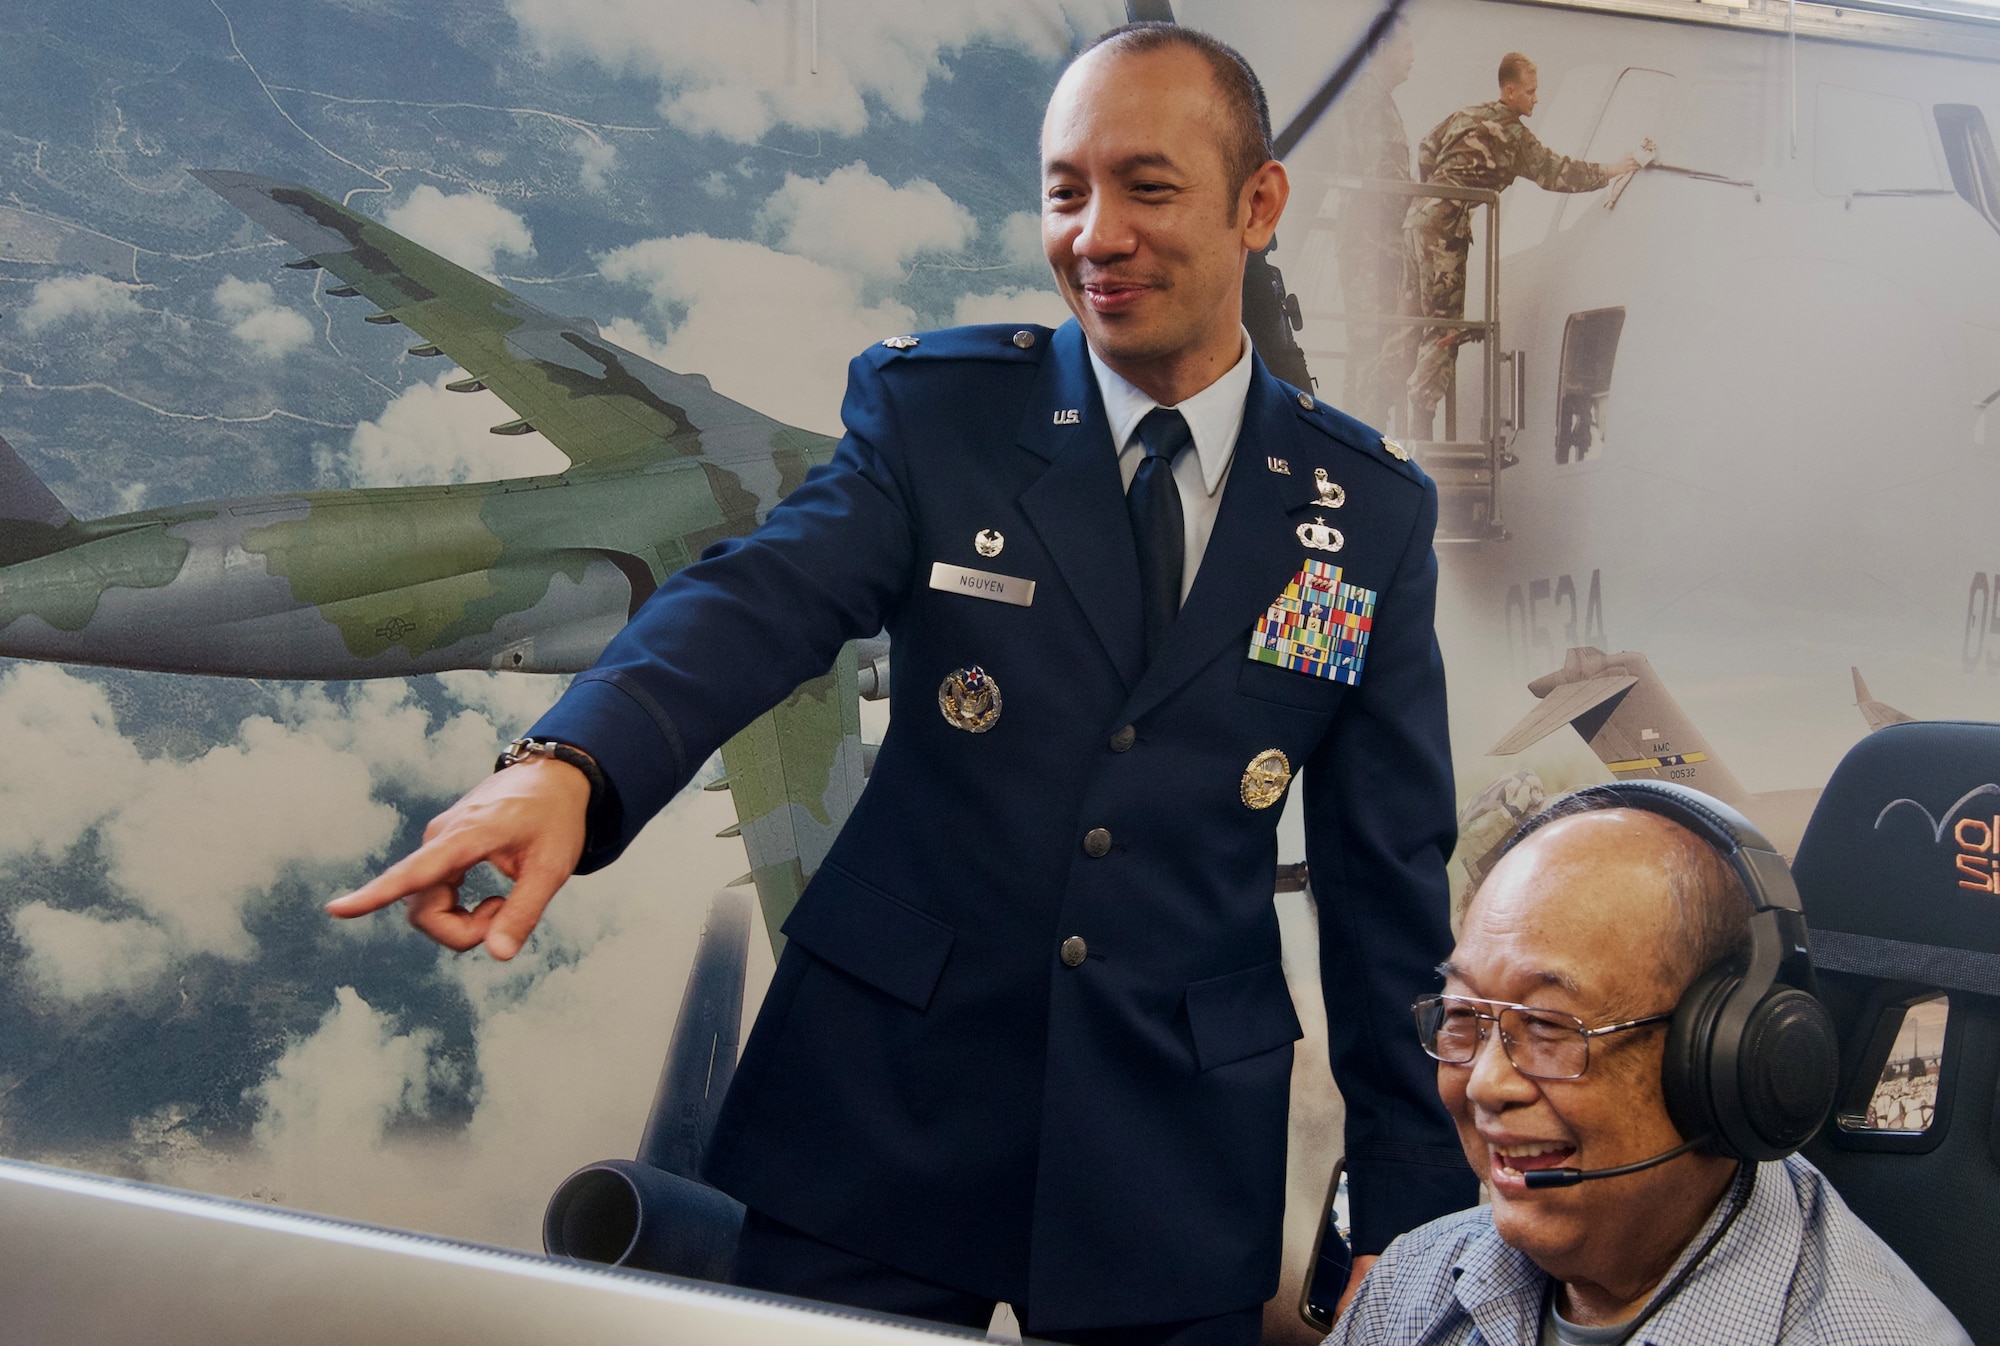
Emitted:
pixel 1629 164
pixel 526 821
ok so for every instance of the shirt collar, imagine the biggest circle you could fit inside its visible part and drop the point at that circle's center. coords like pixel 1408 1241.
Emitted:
pixel 1739 1284
pixel 1214 415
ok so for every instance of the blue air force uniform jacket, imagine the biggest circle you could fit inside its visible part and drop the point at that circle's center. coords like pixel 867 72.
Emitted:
pixel 930 1082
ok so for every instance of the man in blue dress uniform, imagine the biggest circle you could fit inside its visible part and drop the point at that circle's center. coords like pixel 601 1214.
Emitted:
pixel 1030 1039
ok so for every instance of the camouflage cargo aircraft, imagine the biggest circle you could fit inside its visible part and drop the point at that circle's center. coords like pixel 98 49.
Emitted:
pixel 534 574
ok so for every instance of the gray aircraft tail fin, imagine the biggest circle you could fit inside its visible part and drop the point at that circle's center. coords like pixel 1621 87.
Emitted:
pixel 1622 709
pixel 32 520
pixel 1877 713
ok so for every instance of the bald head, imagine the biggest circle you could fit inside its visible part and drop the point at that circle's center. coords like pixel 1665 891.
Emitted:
pixel 1638 889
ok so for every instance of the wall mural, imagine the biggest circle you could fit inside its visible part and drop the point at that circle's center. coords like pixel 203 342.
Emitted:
pixel 1713 441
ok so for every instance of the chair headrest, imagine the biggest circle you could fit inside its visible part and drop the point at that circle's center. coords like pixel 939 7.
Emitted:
pixel 1899 870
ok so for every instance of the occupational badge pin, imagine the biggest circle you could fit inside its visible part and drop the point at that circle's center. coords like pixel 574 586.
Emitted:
pixel 970 700
pixel 1395 450
pixel 1319 537
pixel 901 343
pixel 1332 495
pixel 988 542
pixel 1265 779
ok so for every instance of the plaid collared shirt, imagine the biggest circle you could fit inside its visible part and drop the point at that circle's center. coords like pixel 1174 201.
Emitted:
pixel 1797 1268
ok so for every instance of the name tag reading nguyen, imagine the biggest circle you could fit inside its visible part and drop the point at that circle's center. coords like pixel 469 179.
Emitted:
pixel 982 584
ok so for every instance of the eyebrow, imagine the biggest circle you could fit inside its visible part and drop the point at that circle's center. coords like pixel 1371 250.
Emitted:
pixel 1545 976
pixel 1146 159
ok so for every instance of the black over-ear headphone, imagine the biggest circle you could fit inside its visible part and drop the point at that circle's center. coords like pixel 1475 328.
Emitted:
pixel 1752 1058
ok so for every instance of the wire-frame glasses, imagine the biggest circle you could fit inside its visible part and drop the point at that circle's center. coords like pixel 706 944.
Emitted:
pixel 1544 1044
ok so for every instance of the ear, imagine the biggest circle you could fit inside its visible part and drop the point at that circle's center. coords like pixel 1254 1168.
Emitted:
pixel 1261 202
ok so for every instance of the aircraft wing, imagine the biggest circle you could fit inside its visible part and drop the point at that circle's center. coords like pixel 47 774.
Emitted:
pixel 1562 705
pixel 794 775
pixel 594 400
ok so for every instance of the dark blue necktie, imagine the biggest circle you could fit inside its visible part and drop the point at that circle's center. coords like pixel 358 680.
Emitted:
pixel 1158 526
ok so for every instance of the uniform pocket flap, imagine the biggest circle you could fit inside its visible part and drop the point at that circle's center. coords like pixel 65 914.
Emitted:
pixel 868 934
pixel 1241 1014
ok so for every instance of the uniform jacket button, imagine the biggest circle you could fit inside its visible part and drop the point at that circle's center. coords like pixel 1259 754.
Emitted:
pixel 1074 951
pixel 1124 738
pixel 1096 843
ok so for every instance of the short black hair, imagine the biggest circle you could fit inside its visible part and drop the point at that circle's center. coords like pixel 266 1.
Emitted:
pixel 1246 141
pixel 1514 68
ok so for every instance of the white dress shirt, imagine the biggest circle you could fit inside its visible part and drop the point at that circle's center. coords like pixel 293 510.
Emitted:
pixel 1214 416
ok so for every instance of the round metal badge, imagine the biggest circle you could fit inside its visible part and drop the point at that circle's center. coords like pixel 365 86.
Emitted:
pixel 1265 779
pixel 970 700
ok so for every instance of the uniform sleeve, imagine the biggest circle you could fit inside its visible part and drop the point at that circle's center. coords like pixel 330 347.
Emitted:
pixel 727 638
pixel 1380 824
pixel 1551 171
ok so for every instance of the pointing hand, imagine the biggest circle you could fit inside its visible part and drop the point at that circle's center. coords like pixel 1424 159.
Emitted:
pixel 526 821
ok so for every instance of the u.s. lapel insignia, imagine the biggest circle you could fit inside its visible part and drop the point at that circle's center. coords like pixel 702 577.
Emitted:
pixel 1068 416
pixel 1395 450
pixel 1279 466
pixel 1318 626
pixel 1265 779
pixel 1319 537
pixel 969 700
pixel 901 343
pixel 988 542
pixel 1331 494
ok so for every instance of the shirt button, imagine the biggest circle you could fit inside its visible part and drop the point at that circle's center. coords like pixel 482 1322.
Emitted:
pixel 1074 951
pixel 1097 843
pixel 1124 739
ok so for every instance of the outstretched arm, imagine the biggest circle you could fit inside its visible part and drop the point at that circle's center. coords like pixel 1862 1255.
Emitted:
pixel 717 645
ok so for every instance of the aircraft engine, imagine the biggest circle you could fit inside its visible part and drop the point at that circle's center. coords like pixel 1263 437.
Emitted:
pixel 653 1212
pixel 628 1214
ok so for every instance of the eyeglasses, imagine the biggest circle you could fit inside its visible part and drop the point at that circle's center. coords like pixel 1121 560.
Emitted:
pixel 1543 1044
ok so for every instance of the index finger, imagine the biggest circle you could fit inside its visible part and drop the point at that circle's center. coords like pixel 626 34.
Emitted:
pixel 431 864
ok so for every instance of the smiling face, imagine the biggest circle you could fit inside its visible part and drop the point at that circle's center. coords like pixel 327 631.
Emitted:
pixel 1144 231
pixel 1573 919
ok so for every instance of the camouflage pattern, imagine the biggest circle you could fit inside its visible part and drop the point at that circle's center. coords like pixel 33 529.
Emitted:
pixel 531 575
pixel 1485 146
pixel 1365 140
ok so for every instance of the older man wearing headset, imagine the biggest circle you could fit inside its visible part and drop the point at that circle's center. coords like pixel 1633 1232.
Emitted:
pixel 1636 944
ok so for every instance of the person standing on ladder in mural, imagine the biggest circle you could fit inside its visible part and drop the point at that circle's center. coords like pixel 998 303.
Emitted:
pixel 1486 145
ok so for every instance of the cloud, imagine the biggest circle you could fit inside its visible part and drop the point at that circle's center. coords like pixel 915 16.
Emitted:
pixel 427 435
pixel 511 702
pixel 259 321
pixel 470 228
pixel 733 312
pixel 597 159
pixel 192 844
pixel 1015 304
pixel 569 1039
pixel 382 1075
pixel 854 220
pixel 76 954
pixel 76 298
pixel 737 68
pixel 1021 240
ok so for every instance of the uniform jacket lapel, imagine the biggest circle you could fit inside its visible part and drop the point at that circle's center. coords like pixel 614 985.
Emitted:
pixel 1077 507
pixel 1252 553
